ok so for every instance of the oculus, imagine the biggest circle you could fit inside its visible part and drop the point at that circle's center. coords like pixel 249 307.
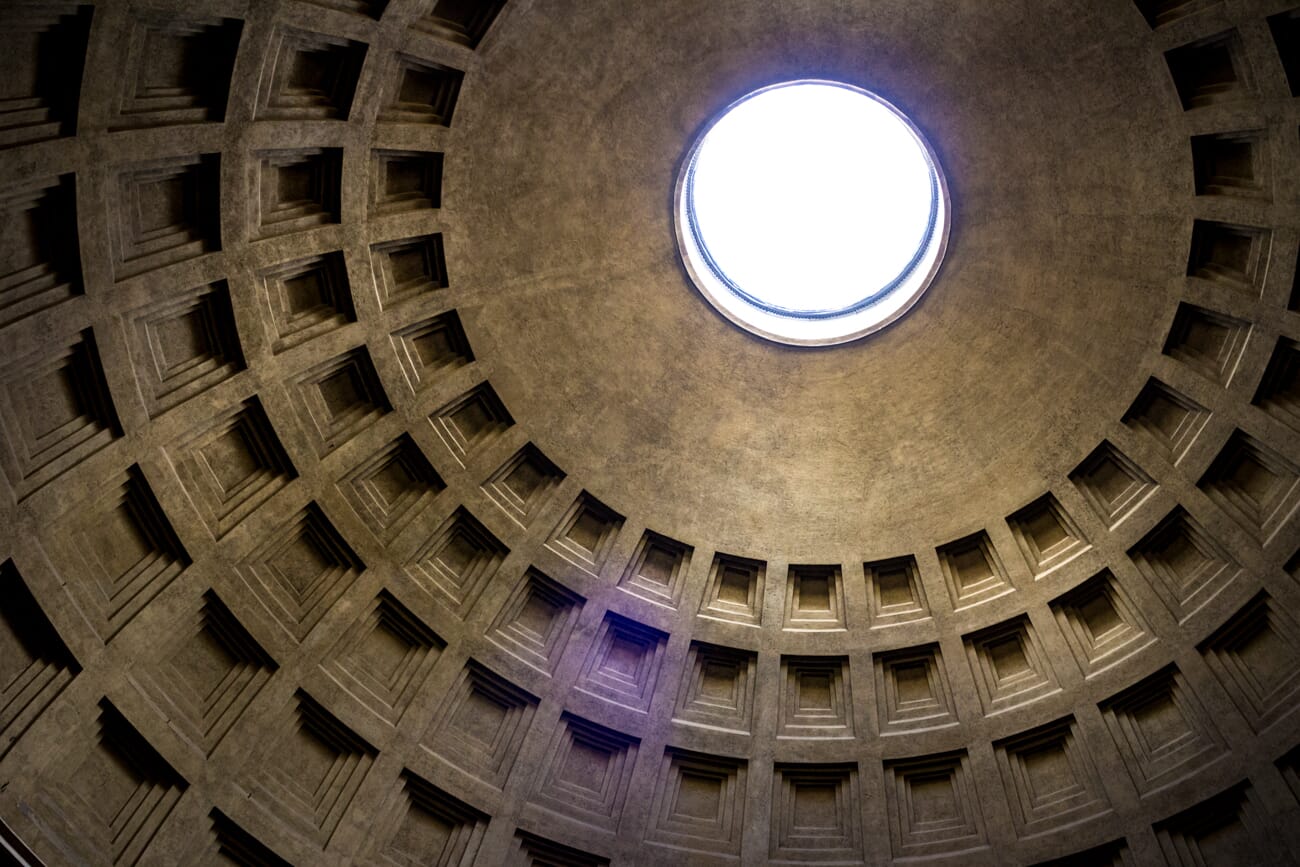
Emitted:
pixel 811 212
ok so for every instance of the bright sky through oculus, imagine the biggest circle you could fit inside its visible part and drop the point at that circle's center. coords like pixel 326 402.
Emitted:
pixel 811 197
pixel 812 212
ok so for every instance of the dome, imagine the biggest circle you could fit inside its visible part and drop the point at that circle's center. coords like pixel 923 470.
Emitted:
pixel 382 487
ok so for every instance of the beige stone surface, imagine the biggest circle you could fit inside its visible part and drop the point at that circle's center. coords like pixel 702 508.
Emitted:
pixel 378 489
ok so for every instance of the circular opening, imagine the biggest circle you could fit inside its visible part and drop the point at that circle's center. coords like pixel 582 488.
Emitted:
pixel 812 212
